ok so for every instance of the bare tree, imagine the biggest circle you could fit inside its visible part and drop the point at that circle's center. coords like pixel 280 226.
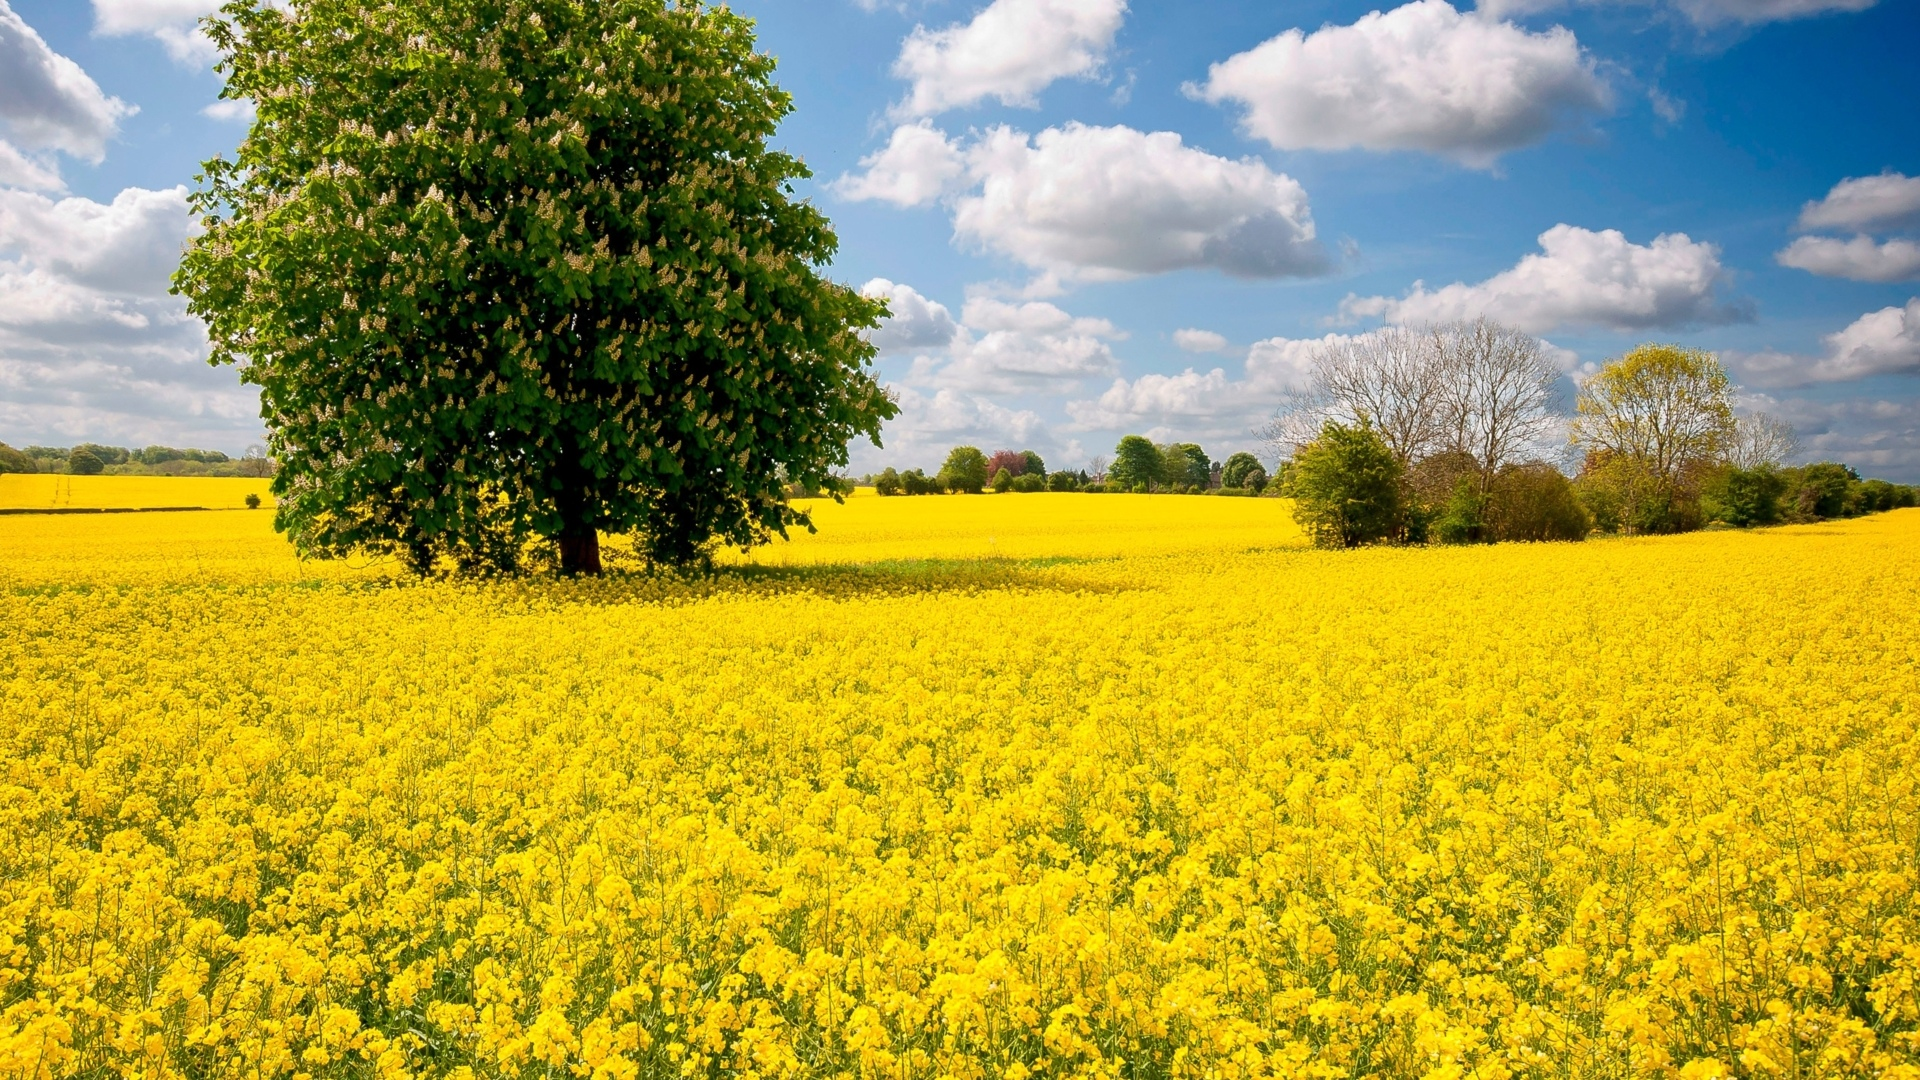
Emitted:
pixel 1496 394
pixel 1761 440
pixel 1391 378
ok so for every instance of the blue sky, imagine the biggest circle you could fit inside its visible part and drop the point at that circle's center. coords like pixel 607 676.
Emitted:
pixel 1096 217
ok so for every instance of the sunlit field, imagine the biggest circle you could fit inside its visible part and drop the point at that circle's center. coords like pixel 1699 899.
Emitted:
pixel 47 491
pixel 969 787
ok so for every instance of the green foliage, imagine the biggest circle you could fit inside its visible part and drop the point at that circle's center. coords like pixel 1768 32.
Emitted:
pixel 1029 483
pixel 1820 490
pixel 1745 497
pixel 1243 470
pixel 526 270
pixel 1655 423
pixel 965 471
pixel 253 500
pixel 888 483
pixel 1346 487
pixel 1063 481
pixel 1534 502
pixel 83 462
pixel 1462 518
pixel 13 461
pixel 915 482
pixel 1035 464
pixel 1002 482
pixel 1185 465
pixel 1137 464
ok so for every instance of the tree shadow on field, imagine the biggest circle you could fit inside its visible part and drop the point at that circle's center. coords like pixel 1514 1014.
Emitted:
pixel 840 581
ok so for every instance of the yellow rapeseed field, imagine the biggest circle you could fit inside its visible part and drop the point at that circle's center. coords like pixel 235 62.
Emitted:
pixel 49 491
pixel 1149 793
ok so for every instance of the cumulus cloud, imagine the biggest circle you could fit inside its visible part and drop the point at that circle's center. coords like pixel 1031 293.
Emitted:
pixel 1706 14
pixel 1580 278
pixel 1101 203
pixel 91 345
pixel 1884 342
pixel 1858 259
pixel 1866 203
pixel 932 422
pixel 47 104
pixel 1421 77
pixel 174 23
pixel 1010 52
pixel 1204 404
pixel 918 165
pixel 1012 348
pixel 1199 341
pixel 914 322
pixel 1106 203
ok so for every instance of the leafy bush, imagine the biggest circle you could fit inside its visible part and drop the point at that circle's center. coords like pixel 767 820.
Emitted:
pixel 1243 471
pixel 1029 483
pixel 1062 481
pixel 82 462
pixel 1534 502
pixel 1346 487
pixel 1002 482
pixel 915 482
pixel 253 500
pixel 1462 518
pixel 1745 498
pixel 965 470
pixel 1136 464
pixel 1820 491
pixel 13 461
pixel 887 483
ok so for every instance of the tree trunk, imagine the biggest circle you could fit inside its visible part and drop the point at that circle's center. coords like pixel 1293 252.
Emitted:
pixel 580 553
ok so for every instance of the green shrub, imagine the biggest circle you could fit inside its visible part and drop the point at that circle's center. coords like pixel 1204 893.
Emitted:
pixel 1243 471
pixel 1820 491
pixel 253 500
pixel 1062 481
pixel 1002 482
pixel 1346 487
pixel 1028 483
pixel 965 470
pixel 887 483
pixel 85 463
pixel 1534 502
pixel 13 461
pixel 915 482
pixel 1745 498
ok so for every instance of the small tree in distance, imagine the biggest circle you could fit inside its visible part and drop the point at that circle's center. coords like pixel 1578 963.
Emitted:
pixel 1243 470
pixel 84 462
pixel 1652 421
pixel 965 470
pixel 1137 463
pixel 519 271
pixel 1346 486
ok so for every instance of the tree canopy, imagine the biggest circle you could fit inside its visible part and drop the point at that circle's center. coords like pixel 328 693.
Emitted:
pixel 517 269
pixel 1346 486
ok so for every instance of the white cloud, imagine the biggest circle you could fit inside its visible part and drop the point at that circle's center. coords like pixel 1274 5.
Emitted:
pixel 174 23
pixel 47 103
pixel 1858 259
pixel 241 111
pixel 20 170
pixel 1866 203
pixel 1204 405
pixel 1105 203
pixel 1884 342
pixel 1010 51
pixel 1581 278
pixel 930 424
pixel 1420 77
pixel 1025 347
pixel 915 322
pixel 1199 341
pixel 1702 13
pixel 918 165
pixel 91 344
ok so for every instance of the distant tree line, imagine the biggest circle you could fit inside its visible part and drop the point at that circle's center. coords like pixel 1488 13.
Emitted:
pixel 1438 434
pixel 1139 465
pixel 92 459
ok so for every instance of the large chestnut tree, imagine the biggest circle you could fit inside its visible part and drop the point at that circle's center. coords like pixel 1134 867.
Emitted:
pixel 514 271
